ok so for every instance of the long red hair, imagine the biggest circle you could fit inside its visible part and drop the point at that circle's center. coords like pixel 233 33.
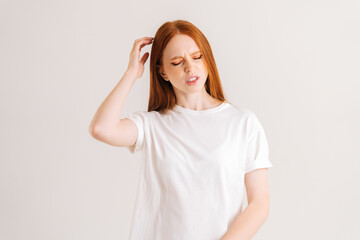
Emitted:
pixel 162 95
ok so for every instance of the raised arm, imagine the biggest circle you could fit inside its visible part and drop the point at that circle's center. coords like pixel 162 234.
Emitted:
pixel 107 125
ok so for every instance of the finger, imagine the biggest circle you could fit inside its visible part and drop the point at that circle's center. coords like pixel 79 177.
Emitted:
pixel 143 44
pixel 144 58
pixel 146 40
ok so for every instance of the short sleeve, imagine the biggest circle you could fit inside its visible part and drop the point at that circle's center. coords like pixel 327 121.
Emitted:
pixel 138 119
pixel 258 148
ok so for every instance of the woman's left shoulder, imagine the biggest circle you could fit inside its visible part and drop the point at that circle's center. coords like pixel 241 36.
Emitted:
pixel 240 111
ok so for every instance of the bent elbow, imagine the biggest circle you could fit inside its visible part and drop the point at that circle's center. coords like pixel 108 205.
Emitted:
pixel 94 131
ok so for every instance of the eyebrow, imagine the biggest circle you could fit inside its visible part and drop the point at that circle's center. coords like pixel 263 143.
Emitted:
pixel 190 54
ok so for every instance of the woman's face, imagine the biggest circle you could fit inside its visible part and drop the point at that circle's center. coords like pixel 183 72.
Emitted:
pixel 181 59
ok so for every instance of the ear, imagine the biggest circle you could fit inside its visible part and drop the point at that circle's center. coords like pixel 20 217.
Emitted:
pixel 162 73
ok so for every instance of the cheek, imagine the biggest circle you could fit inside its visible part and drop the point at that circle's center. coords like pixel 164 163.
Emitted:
pixel 173 72
pixel 170 70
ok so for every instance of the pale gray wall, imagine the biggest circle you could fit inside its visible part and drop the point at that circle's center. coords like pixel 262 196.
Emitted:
pixel 294 63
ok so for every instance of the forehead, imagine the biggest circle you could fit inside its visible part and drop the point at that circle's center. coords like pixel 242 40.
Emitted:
pixel 180 45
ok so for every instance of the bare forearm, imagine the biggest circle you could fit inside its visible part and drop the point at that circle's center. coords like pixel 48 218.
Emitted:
pixel 108 114
pixel 247 223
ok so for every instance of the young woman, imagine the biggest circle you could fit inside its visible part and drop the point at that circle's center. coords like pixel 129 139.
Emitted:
pixel 201 151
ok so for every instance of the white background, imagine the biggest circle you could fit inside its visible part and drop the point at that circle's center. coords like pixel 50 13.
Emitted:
pixel 295 64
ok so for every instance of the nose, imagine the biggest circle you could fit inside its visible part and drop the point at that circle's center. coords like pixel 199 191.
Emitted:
pixel 188 66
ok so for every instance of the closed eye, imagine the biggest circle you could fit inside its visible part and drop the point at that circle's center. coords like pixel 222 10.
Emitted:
pixel 175 64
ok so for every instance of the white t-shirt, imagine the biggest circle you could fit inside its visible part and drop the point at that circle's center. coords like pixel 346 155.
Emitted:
pixel 192 178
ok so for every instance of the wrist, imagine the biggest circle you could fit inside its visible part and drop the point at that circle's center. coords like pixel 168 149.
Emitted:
pixel 131 73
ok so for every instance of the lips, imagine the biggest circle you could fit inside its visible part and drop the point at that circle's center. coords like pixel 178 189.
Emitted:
pixel 192 76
